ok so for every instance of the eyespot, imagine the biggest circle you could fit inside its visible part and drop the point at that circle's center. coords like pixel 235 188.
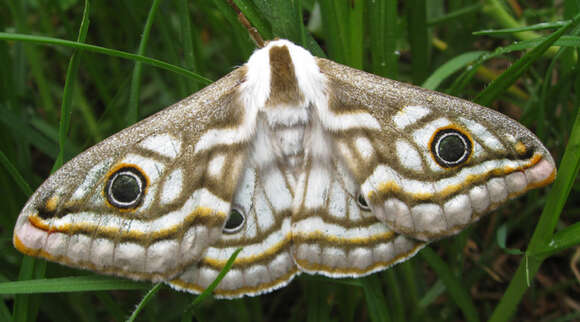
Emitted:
pixel 362 203
pixel 125 188
pixel 235 221
pixel 450 147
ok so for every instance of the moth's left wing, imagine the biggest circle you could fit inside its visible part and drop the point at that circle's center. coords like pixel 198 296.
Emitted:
pixel 148 201
pixel 427 163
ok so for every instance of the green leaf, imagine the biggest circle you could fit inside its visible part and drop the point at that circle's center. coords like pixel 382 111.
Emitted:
pixel 454 285
pixel 16 176
pixel 207 292
pixel 71 77
pixel 69 284
pixel 375 299
pixel 133 112
pixel 316 294
pixel 539 26
pixel 101 50
pixel 545 227
pixel 501 241
pixel 455 14
pixel 256 19
pixel 283 18
pixel 418 39
pixel 335 23
pixel 383 28
pixel 513 73
pixel 562 240
pixel 450 67
pixel 144 301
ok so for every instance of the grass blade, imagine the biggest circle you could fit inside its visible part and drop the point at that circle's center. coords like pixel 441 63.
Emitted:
pixel 187 38
pixel 251 12
pixel 144 301
pixel 383 29
pixel 375 299
pixel 394 295
pixel 102 50
pixel 496 10
pixel 17 9
pixel 454 286
pixel 69 284
pixel 508 31
pixel 418 39
pixel 22 303
pixel 544 229
pixel 316 294
pixel 16 176
pixel 68 92
pixel 207 292
pixel 455 14
pixel 356 31
pixel 335 24
pixel 282 16
pixel 450 67
pixel 133 112
pixel 25 302
pixel 5 313
pixel 513 73
pixel 562 240
pixel 241 34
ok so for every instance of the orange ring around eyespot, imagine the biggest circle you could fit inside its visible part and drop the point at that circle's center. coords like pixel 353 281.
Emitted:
pixel 114 170
pixel 458 129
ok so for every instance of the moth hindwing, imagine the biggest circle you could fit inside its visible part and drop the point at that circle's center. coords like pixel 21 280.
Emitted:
pixel 309 165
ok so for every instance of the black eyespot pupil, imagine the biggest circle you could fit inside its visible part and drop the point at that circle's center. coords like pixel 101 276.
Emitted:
pixel 235 221
pixel 362 203
pixel 125 188
pixel 451 148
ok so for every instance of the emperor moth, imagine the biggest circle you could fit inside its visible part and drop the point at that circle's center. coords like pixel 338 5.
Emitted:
pixel 309 165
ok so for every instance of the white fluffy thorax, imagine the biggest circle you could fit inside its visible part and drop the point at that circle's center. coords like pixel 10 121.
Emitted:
pixel 284 132
pixel 256 88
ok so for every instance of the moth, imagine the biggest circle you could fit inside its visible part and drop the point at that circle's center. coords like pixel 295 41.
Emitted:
pixel 309 165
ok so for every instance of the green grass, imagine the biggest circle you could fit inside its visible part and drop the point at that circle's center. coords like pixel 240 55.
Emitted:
pixel 75 72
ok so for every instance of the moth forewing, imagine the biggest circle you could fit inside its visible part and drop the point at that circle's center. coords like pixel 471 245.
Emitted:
pixel 75 217
pixel 437 163
pixel 309 165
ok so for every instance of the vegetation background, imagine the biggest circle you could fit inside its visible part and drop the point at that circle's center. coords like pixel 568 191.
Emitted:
pixel 59 96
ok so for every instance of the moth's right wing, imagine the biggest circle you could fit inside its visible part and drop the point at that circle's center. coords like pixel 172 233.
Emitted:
pixel 427 163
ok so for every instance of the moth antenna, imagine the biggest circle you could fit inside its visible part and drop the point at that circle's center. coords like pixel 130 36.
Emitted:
pixel 254 33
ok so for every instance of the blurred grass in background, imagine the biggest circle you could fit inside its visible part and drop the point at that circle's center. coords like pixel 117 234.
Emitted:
pixel 56 100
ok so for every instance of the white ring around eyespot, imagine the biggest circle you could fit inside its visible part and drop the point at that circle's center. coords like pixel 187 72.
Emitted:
pixel 121 204
pixel 465 154
pixel 237 228
pixel 366 207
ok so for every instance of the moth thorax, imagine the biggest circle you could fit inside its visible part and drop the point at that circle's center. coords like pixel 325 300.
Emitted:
pixel 290 141
pixel 287 131
pixel 287 123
